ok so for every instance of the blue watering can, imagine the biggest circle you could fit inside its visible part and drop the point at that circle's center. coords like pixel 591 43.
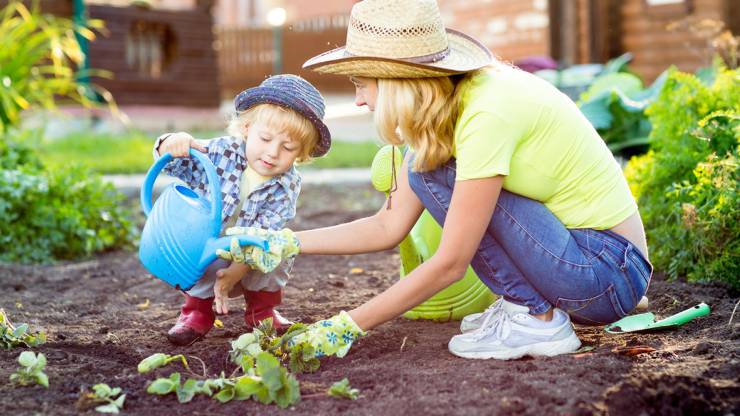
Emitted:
pixel 180 236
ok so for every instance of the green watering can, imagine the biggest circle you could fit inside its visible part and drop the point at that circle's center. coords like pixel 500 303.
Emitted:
pixel 463 297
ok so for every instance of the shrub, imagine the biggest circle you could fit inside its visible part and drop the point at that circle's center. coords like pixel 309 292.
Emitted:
pixel 56 214
pixel 686 185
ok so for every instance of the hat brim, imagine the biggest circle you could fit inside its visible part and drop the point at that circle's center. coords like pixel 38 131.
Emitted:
pixel 465 54
pixel 267 95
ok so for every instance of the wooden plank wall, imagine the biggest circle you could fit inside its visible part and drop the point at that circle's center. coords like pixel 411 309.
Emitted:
pixel 654 47
pixel 246 56
pixel 189 74
pixel 510 29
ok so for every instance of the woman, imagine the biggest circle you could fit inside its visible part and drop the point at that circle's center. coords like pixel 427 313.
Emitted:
pixel 526 191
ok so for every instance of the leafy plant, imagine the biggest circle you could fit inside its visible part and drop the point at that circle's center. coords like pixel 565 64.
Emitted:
pixel 61 214
pixel 300 357
pixel 103 398
pixel 31 371
pixel 38 62
pixel 341 389
pixel 686 186
pixel 266 382
pixel 615 105
pixel 12 336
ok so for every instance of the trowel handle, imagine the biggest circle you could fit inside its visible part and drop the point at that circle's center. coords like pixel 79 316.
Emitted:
pixel 681 318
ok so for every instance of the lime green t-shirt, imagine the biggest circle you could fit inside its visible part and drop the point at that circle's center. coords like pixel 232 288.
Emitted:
pixel 515 124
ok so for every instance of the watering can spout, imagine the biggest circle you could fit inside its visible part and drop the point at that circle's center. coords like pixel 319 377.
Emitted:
pixel 224 243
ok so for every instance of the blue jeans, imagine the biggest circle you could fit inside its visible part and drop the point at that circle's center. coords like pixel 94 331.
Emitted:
pixel 530 258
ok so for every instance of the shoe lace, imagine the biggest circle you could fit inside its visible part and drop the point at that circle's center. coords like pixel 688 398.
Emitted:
pixel 498 324
pixel 492 311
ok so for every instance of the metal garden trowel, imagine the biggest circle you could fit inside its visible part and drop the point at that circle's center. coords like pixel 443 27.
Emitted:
pixel 646 321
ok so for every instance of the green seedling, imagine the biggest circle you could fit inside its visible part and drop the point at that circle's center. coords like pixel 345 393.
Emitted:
pixel 342 390
pixel 17 336
pixel 266 381
pixel 158 360
pixel 300 357
pixel 103 397
pixel 31 371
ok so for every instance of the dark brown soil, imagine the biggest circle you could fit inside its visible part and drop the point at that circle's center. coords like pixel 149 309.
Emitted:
pixel 98 333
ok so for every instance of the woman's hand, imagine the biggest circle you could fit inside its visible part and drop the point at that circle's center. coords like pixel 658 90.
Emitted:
pixel 333 336
pixel 179 144
pixel 283 244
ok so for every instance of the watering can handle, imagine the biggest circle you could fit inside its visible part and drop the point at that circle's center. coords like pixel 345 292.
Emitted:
pixel 213 181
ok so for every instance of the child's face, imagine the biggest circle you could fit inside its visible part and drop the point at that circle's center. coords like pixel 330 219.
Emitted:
pixel 269 152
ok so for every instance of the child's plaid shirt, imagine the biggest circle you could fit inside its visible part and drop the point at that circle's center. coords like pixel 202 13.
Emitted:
pixel 270 205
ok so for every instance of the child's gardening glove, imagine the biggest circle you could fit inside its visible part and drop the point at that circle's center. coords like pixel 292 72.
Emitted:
pixel 283 244
pixel 331 336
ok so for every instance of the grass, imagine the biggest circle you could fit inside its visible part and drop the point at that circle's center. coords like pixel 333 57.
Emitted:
pixel 132 152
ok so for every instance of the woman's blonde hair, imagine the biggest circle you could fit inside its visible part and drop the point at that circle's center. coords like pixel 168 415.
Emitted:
pixel 282 120
pixel 420 112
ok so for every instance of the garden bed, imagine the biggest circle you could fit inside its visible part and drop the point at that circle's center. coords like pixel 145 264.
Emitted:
pixel 103 316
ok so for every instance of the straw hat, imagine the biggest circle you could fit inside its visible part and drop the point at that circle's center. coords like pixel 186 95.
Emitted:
pixel 401 39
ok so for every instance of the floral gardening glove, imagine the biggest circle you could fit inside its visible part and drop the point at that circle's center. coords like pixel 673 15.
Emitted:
pixel 283 244
pixel 331 336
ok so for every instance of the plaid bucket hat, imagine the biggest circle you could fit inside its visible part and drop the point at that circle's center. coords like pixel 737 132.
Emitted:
pixel 295 93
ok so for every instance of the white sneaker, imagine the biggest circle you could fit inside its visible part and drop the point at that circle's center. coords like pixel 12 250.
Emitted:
pixel 515 334
pixel 474 321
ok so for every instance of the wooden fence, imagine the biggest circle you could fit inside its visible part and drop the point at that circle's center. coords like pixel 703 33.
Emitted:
pixel 157 57
pixel 246 56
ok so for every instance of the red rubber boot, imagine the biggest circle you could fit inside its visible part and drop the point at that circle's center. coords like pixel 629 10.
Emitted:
pixel 261 305
pixel 195 320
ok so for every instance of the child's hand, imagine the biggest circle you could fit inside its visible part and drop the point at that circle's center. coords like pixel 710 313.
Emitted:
pixel 283 245
pixel 179 144
pixel 225 281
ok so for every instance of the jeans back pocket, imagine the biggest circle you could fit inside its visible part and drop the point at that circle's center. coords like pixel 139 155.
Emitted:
pixel 601 309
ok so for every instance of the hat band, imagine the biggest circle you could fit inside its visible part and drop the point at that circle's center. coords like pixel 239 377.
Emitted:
pixel 423 59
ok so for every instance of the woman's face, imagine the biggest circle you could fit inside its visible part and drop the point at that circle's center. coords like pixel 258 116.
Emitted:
pixel 366 91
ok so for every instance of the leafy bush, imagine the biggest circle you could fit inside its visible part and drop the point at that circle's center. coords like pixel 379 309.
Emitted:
pixel 687 185
pixel 39 60
pixel 56 214
pixel 615 105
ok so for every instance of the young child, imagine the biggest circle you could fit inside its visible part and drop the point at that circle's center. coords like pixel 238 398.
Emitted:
pixel 276 124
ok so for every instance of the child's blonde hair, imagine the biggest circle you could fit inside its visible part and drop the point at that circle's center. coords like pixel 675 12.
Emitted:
pixel 422 113
pixel 283 120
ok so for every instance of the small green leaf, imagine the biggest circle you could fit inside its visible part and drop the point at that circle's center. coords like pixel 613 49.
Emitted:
pixel 161 386
pixel 27 359
pixel 225 395
pixel 119 401
pixel 342 389
pixel 103 390
pixel 107 408
pixel 42 379
pixel 20 330
pixel 246 387
pixel 290 393
pixel 151 362
pixel 41 361
pixel 263 395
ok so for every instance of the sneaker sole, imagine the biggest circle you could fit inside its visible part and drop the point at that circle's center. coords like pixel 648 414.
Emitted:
pixel 542 349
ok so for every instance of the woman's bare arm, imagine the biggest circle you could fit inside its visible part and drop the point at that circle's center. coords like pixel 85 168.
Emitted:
pixel 471 209
pixel 381 231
